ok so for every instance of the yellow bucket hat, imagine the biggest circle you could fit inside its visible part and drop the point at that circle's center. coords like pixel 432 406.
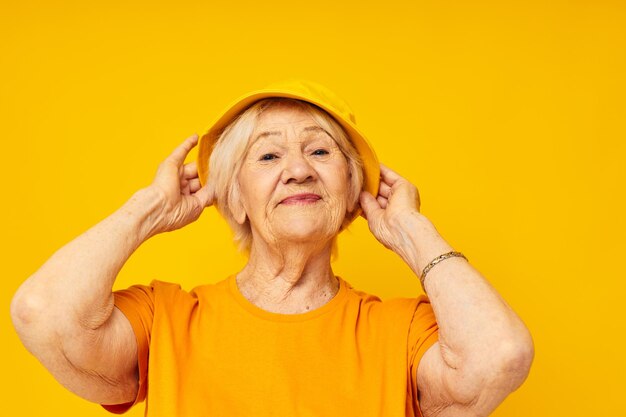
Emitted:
pixel 302 90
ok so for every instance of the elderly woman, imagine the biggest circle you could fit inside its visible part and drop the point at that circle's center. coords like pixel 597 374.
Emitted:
pixel 288 169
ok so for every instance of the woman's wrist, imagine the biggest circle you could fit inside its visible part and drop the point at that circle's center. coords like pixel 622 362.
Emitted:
pixel 419 241
pixel 142 213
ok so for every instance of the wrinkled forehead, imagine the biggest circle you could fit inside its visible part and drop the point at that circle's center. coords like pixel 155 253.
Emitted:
pixel 285 115
pixel 289 121
pixel 282 121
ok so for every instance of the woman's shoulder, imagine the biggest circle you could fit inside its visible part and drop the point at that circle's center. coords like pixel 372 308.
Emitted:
pixel 358 294
pixel 162 289
pixel 392 305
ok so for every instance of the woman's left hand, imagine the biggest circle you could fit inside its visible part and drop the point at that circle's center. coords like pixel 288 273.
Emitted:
pixel 396 202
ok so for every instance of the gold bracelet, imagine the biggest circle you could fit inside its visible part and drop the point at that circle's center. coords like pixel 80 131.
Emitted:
pixel 435 262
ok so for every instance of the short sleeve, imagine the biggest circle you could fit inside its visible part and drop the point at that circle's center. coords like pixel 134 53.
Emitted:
pixel 137 304
pixel 423 333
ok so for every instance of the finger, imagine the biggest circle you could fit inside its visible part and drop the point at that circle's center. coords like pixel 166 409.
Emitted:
pixel 180 153
pixel 184 188
pixel 194 185
pixel 384 190
pixel 190 170
pixel 382 201
pixel 388 175
pixel 205 195
pixel 369 204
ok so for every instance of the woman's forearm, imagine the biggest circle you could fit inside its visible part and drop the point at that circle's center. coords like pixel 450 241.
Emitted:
pixel 72 290
pixel 65 313
pixel 73 287
pixel 478 331
pixel 484 350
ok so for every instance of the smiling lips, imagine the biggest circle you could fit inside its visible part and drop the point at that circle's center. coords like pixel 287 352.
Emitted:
pixel 301 199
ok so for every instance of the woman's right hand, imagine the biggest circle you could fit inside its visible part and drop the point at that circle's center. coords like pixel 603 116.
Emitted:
pixel 177 186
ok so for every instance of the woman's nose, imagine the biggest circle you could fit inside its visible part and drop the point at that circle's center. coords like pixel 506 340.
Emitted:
pixel 297 169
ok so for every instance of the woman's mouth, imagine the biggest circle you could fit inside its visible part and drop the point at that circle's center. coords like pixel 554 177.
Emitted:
pixel 301 199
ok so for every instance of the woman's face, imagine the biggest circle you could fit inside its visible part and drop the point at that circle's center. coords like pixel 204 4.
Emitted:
pixel 294 180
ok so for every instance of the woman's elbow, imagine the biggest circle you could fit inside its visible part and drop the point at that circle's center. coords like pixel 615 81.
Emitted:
pixel 26 307
pixel 488 380
pixel 31 314
pixel 513 359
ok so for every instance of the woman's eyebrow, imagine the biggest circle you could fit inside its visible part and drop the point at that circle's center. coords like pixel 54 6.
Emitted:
pixel 266 134
pixel 315 129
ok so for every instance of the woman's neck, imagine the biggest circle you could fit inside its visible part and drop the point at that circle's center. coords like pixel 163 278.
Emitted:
pixel 290 279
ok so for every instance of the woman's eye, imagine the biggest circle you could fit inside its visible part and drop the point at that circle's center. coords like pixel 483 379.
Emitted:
pixel 268 157
pixel 320 152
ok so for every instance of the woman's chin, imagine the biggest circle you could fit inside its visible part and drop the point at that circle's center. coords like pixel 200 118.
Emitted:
pixel 306 230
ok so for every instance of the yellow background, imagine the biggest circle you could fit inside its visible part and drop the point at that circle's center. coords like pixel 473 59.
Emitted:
pixel 508 116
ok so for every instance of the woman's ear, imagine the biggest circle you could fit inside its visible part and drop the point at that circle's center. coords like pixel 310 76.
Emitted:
pixel 355 188
pixel 239 212
pixel 353 204
pixel 236 205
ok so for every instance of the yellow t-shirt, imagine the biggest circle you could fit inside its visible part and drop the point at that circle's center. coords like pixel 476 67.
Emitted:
pixel 211 352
